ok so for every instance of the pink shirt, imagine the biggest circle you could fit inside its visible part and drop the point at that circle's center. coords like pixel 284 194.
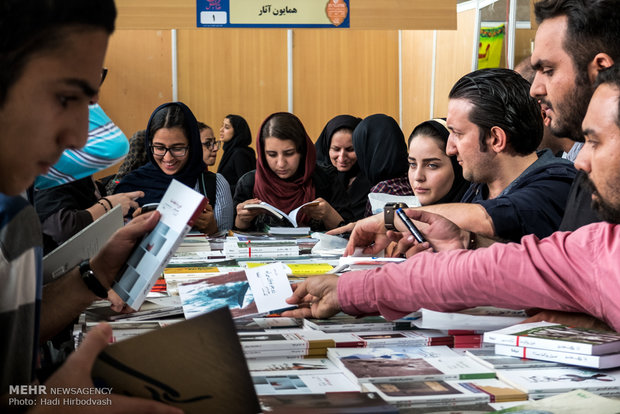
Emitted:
pixel 574 272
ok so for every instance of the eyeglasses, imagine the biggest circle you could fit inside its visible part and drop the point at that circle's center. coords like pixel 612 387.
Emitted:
pixel 177 152
pixel 211 143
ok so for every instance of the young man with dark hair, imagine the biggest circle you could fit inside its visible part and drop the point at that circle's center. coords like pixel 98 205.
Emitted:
pixel 51 54
pixel 574 272
pixel 495 127
pixel 575 40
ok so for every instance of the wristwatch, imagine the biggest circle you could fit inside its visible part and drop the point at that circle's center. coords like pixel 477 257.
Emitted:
pixel 388 214
pixel 92 283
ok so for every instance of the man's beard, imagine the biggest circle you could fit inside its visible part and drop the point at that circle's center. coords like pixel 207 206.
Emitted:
pixel 605 209
pixel 572 110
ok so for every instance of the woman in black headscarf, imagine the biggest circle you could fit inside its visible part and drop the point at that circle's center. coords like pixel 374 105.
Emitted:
pixel 335 154
pixel 238 158
pixel 433 176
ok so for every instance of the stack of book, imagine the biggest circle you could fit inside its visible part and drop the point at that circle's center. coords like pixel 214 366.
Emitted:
pixel 558 343
pixel 275 344
pixel 234 248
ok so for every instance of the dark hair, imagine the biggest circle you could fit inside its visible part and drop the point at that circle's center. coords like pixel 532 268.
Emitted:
pixel 171 116
pixel 202 126
pixel 593 27
pixel 28 27
pixel 610 76
pixel 284 125
pixel 433 129
pixel 501 97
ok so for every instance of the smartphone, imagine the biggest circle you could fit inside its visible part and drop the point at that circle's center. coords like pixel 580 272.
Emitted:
pixel 149 207
pixel 412 227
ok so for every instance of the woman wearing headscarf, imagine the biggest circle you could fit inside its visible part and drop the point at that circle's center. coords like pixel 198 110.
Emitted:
pixel 237 158
pixel 174 151
pixel 286 177
pixel 335 152
pixel 433 176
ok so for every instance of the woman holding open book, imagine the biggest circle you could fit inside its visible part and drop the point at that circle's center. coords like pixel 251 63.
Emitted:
pixel 286 177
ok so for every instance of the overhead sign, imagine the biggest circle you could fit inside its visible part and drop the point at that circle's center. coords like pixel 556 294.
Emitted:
pixel 273 13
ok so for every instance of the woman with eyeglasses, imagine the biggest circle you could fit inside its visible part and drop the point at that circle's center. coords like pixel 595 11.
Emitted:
pixel 238 157
pixel 174 151
pixel 214 185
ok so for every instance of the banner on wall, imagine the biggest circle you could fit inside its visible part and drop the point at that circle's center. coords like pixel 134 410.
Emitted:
pixel 490 46
pixel 273 13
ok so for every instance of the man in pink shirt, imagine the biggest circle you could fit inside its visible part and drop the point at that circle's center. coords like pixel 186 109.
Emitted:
pixel 571 272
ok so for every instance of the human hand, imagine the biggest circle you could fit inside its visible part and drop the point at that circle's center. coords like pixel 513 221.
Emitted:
pixel 441 233
pixel 76 373
pixel 245 216
pixel 323 211
pixel 126 200
pixel 117 304
pixel 317 297
pixel 205 222
pixel 347 228
pixel 368 233
pixel 578 320
pixel 114 254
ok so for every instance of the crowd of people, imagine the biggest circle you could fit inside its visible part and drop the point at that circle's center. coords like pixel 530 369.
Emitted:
pixel 507 222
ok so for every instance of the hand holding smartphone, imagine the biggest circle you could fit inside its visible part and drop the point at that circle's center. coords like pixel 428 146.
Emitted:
pixel 412 227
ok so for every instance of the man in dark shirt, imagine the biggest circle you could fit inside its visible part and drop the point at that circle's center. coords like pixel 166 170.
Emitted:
pixel 495 127
pixel 575 40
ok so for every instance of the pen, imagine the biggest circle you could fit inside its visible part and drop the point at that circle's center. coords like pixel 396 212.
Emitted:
pixel 412 228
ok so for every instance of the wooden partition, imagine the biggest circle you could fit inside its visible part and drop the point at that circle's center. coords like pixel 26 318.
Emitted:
pixel 344 72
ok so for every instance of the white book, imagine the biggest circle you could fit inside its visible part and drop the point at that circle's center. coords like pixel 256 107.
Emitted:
pixel 482 318
pixel 426 393
pixel 368 365
pixel 552 336
pixel 560 379
pixel 489 358
pixel 312 383
pixel 590 361
pixel 268 208
pixel 574 402
pixel 286 366
pixel 177 208
pixel 269 341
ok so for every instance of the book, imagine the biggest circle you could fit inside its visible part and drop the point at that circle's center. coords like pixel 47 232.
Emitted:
pixel 546 335
pixel 83 245
pixel 590 361
pixel 307 383
pixel 487 357
pixel 177 365
pixel 269 209
pixel 179 205
pixel 260 290
pixel 347 323
pixel 556 380
pixel 329 403
pixel 400 339
pixel 481 319
pixel 234 248
pixel 268 341
pixel 574 402
pixel 266 324
pixel 497 390
pixel 268 366
pixel 426 393
pixel 377 365
pixel 288 231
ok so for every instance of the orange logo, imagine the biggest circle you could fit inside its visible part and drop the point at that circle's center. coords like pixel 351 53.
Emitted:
pixel 336 11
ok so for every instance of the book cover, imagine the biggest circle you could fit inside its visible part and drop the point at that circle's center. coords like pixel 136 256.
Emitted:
pixel 348 323
pixel 385 365
pixel 309 383
pixel 146 263
pixel 268 366
pixel 268 208
pixel 426 393
pixel 574 402
pixel 590 361
pixel 497 390
pixel 199 367
pixel 556 380
pixel 481 319
pixel 546 335
pixel 489 358
pixel 330 403
pixel 251 292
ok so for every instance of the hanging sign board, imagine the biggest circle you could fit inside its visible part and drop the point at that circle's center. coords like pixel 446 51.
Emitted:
pixel 273 13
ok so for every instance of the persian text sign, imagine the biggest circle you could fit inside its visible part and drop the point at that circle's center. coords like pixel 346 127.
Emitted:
pixel 273 13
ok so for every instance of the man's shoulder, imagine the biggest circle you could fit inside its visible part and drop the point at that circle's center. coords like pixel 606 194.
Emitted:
pixel 553 165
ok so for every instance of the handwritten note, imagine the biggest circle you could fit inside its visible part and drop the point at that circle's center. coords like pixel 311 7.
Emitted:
pixel 270 286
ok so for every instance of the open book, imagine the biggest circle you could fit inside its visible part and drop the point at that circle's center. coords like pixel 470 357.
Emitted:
pixel 179 206
pixel 268 208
